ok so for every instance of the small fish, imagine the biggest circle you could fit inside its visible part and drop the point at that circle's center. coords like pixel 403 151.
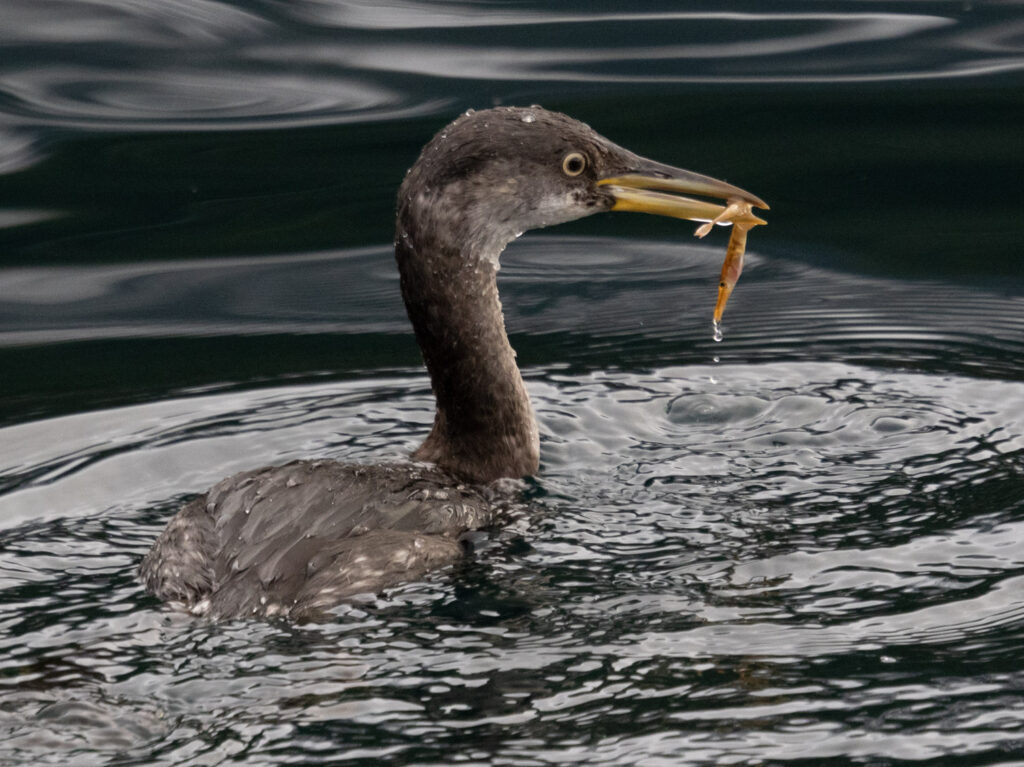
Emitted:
pixel 738 213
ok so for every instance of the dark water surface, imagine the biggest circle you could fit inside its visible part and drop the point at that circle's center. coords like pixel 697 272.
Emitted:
pixel 802 546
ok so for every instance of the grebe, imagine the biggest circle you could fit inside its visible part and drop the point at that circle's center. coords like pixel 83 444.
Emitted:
pixel 297 539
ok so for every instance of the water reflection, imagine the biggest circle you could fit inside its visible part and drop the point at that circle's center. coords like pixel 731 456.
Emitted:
pixel 600 289
pixel 113 64
pixel 674 579
pixel 769 39
pixel 799 545
pixel 122 22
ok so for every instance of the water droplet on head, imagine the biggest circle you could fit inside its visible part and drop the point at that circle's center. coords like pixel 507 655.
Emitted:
pixel 529 118
pixel 717 335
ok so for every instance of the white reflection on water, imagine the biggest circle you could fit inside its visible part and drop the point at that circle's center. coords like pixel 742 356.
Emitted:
pixel 177 96
pixel 735 33
pixel 166 24
pixel 13 217
pixel 207 63
pixel 686 603
pixel 603 287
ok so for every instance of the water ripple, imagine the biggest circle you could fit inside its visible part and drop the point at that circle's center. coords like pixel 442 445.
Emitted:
pixel 215 64
pixel 627 296
pixel 796 545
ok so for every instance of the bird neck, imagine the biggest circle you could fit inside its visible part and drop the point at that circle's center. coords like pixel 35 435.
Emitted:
pixel 484 427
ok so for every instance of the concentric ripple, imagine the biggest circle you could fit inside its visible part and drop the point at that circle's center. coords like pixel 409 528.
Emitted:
pixel 802 525
pixel 111 64
pixel 581 293
pixel 705 545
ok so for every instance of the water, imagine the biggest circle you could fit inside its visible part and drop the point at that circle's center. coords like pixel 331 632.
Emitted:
pixel 800 545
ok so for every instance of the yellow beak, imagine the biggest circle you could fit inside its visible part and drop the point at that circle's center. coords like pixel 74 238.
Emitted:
pixel 660 189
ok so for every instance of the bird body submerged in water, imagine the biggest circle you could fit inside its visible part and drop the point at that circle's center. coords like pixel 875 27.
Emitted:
pixel 297 539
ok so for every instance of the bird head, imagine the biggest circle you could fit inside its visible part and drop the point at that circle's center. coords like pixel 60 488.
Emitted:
pixel 491 175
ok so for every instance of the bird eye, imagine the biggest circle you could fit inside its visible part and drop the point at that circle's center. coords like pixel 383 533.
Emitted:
pixel 574 163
